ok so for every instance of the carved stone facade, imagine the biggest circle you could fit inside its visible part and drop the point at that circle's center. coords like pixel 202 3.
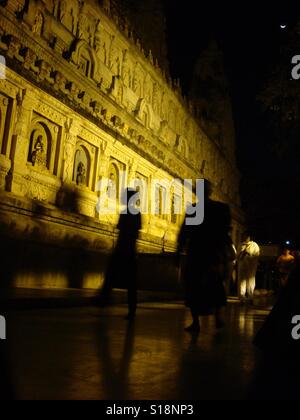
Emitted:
pixel 82 101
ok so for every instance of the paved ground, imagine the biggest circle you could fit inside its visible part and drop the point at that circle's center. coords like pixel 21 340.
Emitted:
pixel 92 353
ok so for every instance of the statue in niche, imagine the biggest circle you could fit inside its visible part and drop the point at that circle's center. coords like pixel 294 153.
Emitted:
pixel 38 24
pixel 82 22
pixel 164 107
pixel 81 174
pixel 155 100
pixel 68 160
pixel 147 90
pixel 126 71
pixel 91 36
pixel 81 4
pixel 117 66
pixel 126 28
pixel 38 155
pixel 172 114
pixel 151 59
pixel 106 6
pixel 56 8
pixel 114 61
pixel 138 44
pixel 136 85
pixel 112 186
pixel 120 93
pixel 104 53
pixel 163 130
pixel 127 77
pixel 97 39
pixel 74 19
pixel 62 11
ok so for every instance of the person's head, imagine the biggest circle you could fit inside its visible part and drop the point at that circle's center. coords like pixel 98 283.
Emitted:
pixel 128 195
pixel 286 251
pixel 207 189
pixel 246 236
pixel 296 255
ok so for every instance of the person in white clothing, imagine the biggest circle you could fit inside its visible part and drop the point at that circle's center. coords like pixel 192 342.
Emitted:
pixel 248 257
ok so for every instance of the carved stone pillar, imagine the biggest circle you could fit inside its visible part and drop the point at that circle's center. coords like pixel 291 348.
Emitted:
pixel 21 138
pixel 104 162
pixel 131 176
pixel 72 129
pixel 104 205
pixel 5 166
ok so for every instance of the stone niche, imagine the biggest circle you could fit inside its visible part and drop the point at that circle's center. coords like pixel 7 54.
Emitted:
pixel 43 163
pixel 84 172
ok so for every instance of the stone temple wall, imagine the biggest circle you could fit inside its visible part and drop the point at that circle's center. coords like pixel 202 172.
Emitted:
pixel 82 101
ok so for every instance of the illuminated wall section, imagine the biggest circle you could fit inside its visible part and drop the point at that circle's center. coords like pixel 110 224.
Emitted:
pixel 83 101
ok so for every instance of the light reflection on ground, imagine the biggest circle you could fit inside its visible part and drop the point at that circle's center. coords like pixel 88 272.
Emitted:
pixel 92 353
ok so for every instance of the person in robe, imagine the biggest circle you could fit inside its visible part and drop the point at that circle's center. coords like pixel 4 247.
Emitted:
pixel 206 250
pixel 122 268
pixel 285 264
pixel 248 258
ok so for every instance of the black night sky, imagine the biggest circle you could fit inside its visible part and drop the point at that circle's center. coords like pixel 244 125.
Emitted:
pixel 251 39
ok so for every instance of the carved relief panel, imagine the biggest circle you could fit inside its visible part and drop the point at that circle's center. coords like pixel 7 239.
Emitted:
pixel 84 58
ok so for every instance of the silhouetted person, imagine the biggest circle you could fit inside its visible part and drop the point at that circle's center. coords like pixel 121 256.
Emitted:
pixel 279 341
pixel 123 264
pixel 285 264
pixel 276 333
pixel 231 253
pixel 206 248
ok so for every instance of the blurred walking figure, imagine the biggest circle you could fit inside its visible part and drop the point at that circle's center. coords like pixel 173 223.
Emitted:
pixel 285 265
pixel 230 278
pixel 206 248
pixel 122 269
pixel 248 257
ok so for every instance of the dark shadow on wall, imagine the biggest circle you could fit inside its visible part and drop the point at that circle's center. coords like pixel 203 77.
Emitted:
pixel 38 261
pixel 46 265
pixel 67 199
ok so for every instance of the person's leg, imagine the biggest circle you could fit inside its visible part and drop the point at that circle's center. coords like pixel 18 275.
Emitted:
pixel 219 318
pixel 251 287
pixel 243 289
pixel 106 291
pixel 195 327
